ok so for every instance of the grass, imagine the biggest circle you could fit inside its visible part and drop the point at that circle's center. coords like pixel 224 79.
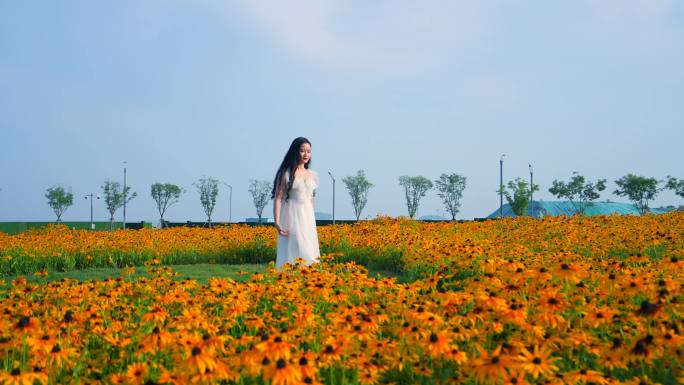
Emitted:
pixel 200 272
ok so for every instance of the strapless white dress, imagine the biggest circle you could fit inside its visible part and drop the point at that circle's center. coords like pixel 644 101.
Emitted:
pixel 297 217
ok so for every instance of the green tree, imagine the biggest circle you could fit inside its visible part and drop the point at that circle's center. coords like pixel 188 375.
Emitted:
pixel 208 190
pixel 261 194
pixel 675 185
pixel 114 198
pixel 415 188
pixel 580 193
pixel 358 187
pixel 450 189
pixel 165 195
pixel 59 200
pixel 518 195
pixel 638 189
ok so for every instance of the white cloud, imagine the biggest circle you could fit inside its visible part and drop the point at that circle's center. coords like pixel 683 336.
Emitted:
pixel 348 35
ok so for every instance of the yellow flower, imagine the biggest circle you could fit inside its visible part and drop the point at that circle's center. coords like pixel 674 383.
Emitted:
pixel 538 362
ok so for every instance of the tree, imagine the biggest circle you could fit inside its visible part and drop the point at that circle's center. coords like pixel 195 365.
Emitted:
pixel 450 189
pixel 114 198
pixel 261 194
pixel 519 195
pixel 676 185
pixel 59 200
pixel 358 187
pixel 165 195
pixel 581 194
pixel 639 189
pixel 415 188
pixel 208 190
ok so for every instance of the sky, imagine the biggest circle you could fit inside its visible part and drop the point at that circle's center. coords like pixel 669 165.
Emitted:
pixel 181 90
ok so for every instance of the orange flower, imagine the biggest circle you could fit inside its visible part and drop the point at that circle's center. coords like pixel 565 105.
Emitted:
pixel 438 344
pixel 16 377
pixel 136 373
pixel 491 367
pixel 538 362
pixel 201 359
pixel 584 376
pixel 282 373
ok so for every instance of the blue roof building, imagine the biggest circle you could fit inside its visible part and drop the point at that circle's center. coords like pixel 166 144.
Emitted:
pixel 540 209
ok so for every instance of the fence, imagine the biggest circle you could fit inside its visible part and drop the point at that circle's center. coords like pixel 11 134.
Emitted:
pixel 19 227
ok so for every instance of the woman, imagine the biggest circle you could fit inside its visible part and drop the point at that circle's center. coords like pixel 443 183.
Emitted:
pixel 293 206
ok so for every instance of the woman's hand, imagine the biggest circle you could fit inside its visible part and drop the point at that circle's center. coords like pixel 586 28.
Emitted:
pixel 282 231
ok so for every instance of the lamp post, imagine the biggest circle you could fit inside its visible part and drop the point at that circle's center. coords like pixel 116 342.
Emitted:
pixel 333 180
pixel 92 225
pixel 531 179
pixel 124 198
pixel 501 185
pixel 230 212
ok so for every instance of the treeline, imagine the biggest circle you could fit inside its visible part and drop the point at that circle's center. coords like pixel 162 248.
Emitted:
pixel 640 190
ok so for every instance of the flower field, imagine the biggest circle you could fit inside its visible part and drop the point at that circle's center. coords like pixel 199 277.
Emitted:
pixel 554 301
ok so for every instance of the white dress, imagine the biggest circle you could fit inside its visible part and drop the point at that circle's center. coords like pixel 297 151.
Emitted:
pixel 297 217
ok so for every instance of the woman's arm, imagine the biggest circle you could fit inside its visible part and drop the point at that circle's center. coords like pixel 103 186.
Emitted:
pixel 314 176
pixel 277 202
pixel 276 210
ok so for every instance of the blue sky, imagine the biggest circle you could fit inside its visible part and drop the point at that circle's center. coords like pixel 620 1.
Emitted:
pixel 185 89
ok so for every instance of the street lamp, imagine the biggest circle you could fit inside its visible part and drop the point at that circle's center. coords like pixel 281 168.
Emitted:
pixel 230 212
pixel 124 198
pixel 531 179
pixel 501 185
pixel 333 179
pixel 91 195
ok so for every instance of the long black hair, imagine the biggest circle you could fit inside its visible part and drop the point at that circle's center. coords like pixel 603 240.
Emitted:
pixel 290 163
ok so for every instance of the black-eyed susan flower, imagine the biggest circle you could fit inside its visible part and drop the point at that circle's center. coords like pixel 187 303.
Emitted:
pixel 537 362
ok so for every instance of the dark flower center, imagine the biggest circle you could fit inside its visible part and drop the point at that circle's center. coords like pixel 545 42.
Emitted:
pixel 196 351
pixel 68 316
pixel 640 347
pixel 537 360
pixel 617 342
pixel 280 364
pixel 23 322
